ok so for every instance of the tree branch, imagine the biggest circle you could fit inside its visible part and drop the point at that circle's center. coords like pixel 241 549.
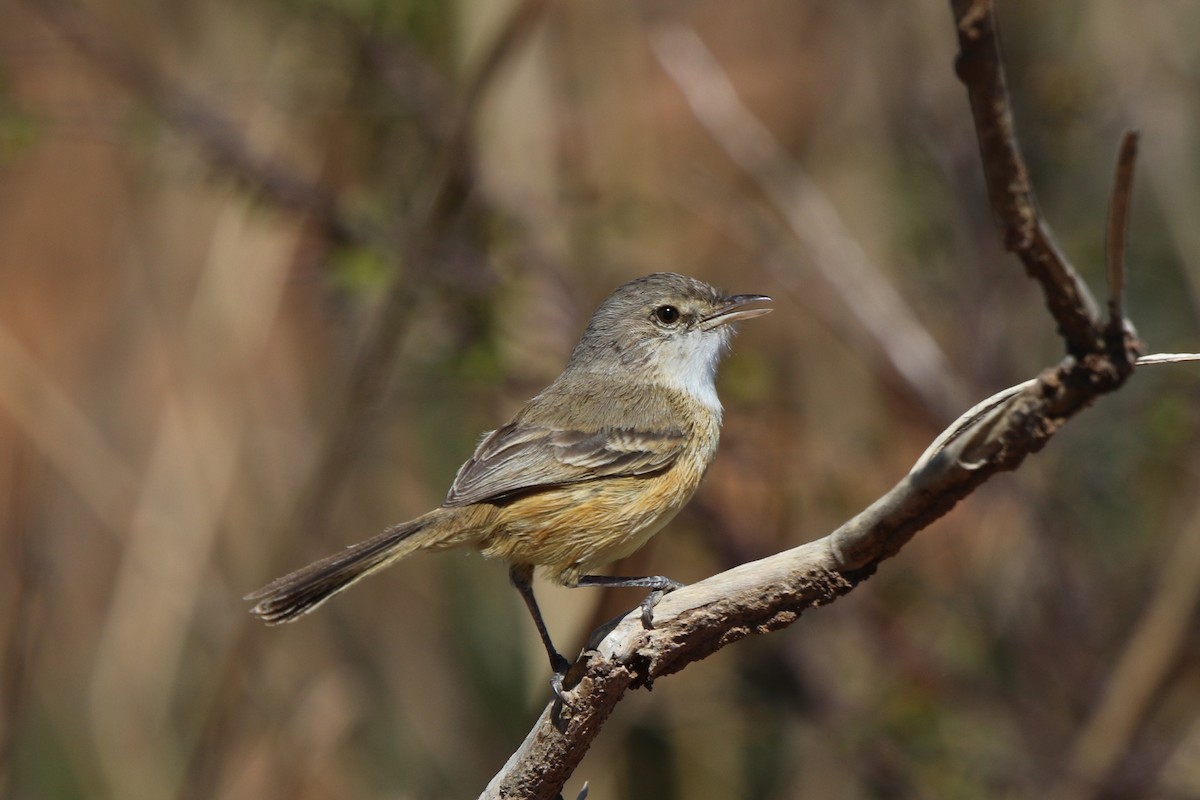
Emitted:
pixel 992 437
pixel 697 620
pixel 1026 234
pixel 1118 225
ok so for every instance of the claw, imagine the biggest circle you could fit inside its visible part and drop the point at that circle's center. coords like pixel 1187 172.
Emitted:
pixel 560 667
pixel 648 608
pixel 663 587
pixel 556 686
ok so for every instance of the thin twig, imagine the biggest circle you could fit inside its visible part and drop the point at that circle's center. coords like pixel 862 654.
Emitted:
pixel 1118 225
pixel 1026 233
pixel 1167 358
pixel 972 418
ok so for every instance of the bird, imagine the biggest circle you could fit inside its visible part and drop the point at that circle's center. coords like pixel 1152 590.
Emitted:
pixel 586 472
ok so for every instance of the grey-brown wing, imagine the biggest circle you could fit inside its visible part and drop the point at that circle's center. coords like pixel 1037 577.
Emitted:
pixel 523 457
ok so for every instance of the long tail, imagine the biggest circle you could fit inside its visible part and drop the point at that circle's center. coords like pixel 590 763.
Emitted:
pixel 294 595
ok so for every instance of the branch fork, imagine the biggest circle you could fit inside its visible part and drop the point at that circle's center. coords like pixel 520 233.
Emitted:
pixel 995 435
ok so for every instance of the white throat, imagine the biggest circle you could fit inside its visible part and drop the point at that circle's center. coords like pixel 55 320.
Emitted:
pixel 689 364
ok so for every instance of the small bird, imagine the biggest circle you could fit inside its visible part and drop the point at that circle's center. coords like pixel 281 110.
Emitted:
pixel 587 471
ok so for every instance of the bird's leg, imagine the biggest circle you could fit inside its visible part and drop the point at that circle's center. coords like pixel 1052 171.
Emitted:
pixel 657 583
pixel 521 576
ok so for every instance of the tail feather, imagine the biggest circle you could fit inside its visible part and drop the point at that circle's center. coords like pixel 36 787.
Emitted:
pixel 294 595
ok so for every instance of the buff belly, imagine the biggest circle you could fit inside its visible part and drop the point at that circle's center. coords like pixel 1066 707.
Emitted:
pixel 571 531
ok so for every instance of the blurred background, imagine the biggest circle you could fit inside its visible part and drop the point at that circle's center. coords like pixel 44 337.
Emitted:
pixel 268 269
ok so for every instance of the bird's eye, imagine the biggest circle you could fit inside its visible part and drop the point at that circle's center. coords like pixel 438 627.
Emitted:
pixel 667 315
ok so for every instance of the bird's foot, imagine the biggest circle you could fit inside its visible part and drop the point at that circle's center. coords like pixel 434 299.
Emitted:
pixel 661 587
pixel 559 667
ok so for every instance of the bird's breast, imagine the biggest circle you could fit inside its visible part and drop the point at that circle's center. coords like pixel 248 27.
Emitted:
pixel 575 529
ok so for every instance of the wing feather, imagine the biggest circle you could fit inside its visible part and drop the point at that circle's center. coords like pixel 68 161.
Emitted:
pixel 519 458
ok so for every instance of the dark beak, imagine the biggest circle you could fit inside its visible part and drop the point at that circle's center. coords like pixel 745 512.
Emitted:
pixel 734 310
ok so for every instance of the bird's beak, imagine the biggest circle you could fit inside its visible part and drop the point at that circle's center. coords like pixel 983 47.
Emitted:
pixel 733 310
